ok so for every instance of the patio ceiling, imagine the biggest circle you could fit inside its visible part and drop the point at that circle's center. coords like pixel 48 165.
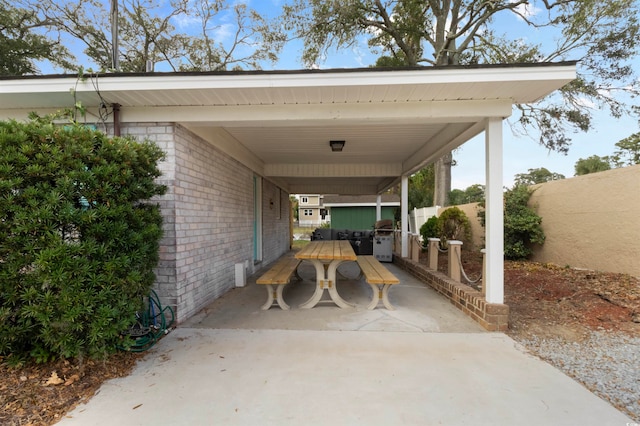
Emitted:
pixel 279 124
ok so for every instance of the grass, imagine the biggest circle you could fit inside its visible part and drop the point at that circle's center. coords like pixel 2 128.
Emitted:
pixel 299 230
pixel 298 244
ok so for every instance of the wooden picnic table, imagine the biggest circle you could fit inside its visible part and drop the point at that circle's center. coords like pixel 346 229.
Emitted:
pixel 326 256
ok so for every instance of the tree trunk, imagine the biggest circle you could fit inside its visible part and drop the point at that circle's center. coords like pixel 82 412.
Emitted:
pixel 442 186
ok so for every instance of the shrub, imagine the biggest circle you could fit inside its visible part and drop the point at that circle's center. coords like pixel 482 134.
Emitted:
pixel 79 239
pixel 429 229
pixel 453 224
pixel 522 226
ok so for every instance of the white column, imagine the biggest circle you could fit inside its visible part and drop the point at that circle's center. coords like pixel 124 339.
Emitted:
pixel 494 220
pixel 379 207
pixel 404 216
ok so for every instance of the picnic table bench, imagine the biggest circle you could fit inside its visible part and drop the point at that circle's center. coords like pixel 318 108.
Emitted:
pixel 279 275
pixel 379 278
pixel 326 256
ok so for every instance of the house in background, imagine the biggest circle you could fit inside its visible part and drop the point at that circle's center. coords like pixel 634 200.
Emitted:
pixel 359 211
pixel 311 211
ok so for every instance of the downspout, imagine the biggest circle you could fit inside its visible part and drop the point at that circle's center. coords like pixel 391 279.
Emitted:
pixel 116 119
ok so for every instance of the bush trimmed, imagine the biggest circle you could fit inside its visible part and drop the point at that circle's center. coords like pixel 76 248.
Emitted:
pixel 79 238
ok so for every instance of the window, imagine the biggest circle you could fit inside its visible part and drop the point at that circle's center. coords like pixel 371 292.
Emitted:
pixel 308 212
pixel 304 200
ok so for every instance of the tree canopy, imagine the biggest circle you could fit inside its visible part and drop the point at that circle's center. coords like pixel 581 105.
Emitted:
pixel 534 176
pixel 181 35
pixel 592 164
pixel 628 152
pixel 22 43
pixel 421 188
pixel 473 194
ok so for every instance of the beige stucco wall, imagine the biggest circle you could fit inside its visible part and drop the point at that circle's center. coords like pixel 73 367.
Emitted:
pixel 591 221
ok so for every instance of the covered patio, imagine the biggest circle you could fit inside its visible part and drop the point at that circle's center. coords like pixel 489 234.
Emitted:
pixel 238 143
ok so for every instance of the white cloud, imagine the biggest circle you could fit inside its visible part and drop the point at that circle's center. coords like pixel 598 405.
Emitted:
pixel 527 10
pixel 185 21
pixel 223 32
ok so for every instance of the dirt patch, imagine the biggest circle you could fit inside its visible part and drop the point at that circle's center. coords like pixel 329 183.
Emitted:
pixel 544 300
pixel 547 300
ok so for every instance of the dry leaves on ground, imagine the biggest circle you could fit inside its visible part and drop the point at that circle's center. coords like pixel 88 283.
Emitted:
pixel 40 394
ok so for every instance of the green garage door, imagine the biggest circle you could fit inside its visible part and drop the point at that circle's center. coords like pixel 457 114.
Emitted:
pixel 358 217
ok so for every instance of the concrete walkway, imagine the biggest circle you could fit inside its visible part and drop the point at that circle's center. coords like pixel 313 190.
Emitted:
pixel 423 364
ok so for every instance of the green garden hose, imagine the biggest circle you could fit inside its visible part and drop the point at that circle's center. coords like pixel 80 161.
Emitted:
pixel 152 324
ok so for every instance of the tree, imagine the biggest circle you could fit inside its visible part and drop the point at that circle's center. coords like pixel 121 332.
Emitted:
pixel 534 176
pixel 294 207
pixel 473 194
pixel 21 46
pixel 522 225
pixel 421 188
pixel 601 35
pixel 628 152
pixel 592 164
pixel 147 34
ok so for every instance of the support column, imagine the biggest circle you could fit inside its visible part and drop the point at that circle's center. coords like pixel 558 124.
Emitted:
pixel 494 216
pixel 379 207
pixel 455 258
pixel 404 216
pixel 415 248
pixel 433 253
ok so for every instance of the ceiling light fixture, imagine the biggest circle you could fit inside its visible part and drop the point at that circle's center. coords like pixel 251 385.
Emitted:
pixel 336 146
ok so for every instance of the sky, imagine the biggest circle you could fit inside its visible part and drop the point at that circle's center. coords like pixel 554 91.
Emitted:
pixel 521 153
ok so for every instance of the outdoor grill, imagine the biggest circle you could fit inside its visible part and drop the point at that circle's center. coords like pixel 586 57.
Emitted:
pixel 383 240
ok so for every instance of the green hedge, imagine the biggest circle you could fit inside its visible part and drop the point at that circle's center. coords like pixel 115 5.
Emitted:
pixel 522 225
pixel 79 240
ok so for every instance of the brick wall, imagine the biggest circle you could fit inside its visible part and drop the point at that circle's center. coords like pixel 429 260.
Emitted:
pixel 491 316
pixel 275 216
pixel 162 135
pixel 208 219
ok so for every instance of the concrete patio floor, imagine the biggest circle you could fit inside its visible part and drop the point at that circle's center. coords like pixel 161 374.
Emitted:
pixel 423 364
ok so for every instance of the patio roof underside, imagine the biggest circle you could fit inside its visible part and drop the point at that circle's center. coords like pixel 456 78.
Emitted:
pixel 279 124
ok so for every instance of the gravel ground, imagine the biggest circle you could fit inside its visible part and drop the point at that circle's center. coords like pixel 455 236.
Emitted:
pixel 607 363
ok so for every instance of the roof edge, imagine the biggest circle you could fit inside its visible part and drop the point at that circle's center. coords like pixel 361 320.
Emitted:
pixel 299 71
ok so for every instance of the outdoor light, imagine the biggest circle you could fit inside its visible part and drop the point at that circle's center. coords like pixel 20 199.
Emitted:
pixel 336 146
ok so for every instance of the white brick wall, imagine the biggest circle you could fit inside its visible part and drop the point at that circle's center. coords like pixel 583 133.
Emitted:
pixel 208 218
pixel 162 135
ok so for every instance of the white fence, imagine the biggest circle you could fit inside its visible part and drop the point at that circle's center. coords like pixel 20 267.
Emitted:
pixel 419 216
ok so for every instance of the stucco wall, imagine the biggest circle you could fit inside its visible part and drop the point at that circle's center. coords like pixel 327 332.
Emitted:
pixel 591 221
pixel 208 219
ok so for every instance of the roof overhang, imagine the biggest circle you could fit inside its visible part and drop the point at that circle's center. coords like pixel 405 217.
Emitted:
pixel 279 123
